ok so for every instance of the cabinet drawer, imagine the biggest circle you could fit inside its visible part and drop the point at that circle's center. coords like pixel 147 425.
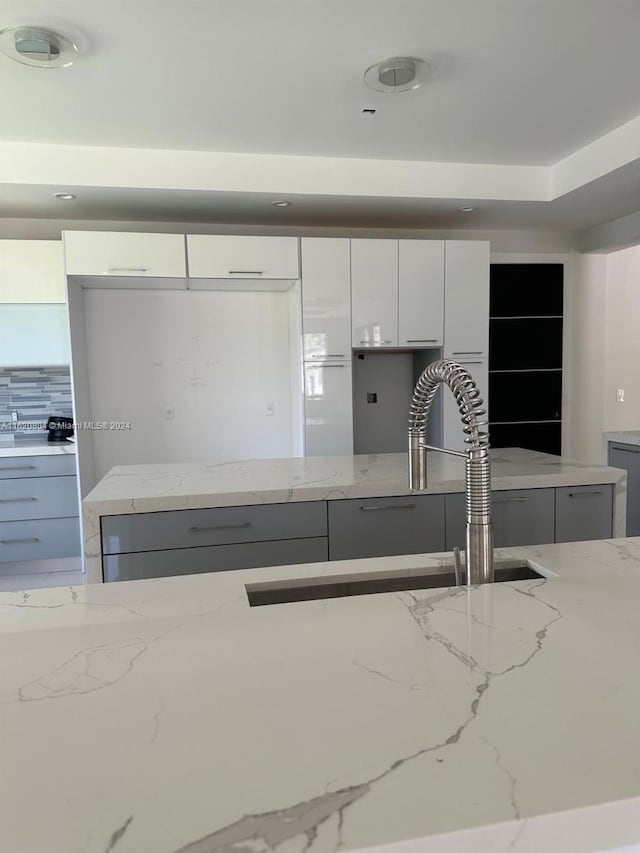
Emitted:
pixel 16 467
pixel 242 257
pixel 219 558
pixel 38 497
pixel 41 539
pixel 379 527
pixel 584 512
pixel 191 528
pixel 128 255
pixel 520 517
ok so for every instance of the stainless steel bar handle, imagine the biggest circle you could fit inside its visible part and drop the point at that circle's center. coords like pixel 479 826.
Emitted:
pixel 375 343
pixel 245 272
pixel 116 270
pixel 469 362
pixel 521 499
pixel 386 506
pixel 421 341
pixel 238 526
pixel 470 352
pixel 585 494
pixel 25 541
pixel 17 468
pixel 331 365
pixel 329 355
pixel 627 450
pixel 16 500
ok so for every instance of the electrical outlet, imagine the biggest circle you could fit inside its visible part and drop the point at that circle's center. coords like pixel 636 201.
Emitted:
pixel 271 409
pixel 620 395
pixel 169 412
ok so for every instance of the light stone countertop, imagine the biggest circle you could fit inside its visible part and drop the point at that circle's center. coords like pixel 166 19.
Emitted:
pixel 130 489
pixel 12 449
pixel 168 716
pixel 624 437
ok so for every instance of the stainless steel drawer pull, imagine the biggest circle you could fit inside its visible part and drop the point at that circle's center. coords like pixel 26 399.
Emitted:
pixel 474 352
pixel 622 449
pixel 17 500
pixel 238 526
pixel 521 499
pixel 116 270
pixel 387 506
pixel 26 541
pixel 376 343
pixel 330 365
pixel 246 272
pixel 330 355
pixel 17 468
pixel 585 494
pixel 469 362
pixel 422 340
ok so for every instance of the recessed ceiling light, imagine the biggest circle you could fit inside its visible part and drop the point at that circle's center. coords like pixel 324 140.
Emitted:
pixel 281 203
pixel 64 196
pixel 398 74
pixel 37 47
pixel 468 209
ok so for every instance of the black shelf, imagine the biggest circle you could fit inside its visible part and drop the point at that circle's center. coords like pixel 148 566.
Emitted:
pixel 525 356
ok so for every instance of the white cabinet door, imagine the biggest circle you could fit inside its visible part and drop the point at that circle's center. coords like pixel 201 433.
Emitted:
pixel 328 409
pixel 326 298
pixel 374 293
pixel 420 293
pixel 34 336
pixel 124 254
pixel 452 429
pixel 242 257
pixel 31 271
pixel 466 306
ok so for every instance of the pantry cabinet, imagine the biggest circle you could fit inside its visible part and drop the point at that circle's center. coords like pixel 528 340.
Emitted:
pixel 420 293
pixel 326 298
pixel 374 294
pixel 466 311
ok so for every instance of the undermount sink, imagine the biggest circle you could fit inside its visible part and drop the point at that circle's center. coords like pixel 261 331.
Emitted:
pixel 308 589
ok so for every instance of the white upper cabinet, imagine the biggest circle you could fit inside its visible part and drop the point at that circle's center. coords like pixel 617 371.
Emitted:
pixel 452 427
pixel 328 409
pixel 420 293
pixel 374 293
pixel 125 255
pixel 31 271
pixel 326 298
pixel 466 313
pixel 242 258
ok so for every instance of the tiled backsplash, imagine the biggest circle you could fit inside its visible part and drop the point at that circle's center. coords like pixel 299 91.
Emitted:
pixel 34 393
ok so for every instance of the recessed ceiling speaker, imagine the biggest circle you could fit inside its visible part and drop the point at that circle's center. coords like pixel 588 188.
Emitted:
pixel 37 47
pixel 398 74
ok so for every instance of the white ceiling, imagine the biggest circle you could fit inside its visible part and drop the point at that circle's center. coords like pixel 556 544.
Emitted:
pixel 514 83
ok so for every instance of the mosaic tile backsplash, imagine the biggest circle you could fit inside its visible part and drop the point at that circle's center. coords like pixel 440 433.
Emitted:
pixel 34 393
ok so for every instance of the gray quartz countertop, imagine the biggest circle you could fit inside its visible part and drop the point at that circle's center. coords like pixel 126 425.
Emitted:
pixel 41 447
pixel 624 436
pixel 169 716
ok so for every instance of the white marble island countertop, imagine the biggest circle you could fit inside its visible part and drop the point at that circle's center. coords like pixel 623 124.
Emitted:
pixel 149 488
pixel 168 716
pixel 41 447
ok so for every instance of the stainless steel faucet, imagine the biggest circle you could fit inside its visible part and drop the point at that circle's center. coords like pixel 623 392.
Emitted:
pixel 479 546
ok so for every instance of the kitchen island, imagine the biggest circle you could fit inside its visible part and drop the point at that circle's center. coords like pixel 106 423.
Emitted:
pixel 169 716
pixel 173 518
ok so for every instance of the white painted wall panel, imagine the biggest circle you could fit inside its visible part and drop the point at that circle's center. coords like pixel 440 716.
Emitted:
pixel 218 359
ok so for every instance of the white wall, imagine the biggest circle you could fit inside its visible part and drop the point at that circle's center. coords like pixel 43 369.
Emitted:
pixel 622 340
pixel 217 358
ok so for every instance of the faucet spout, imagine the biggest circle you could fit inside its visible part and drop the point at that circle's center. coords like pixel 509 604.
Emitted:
pixel 479 528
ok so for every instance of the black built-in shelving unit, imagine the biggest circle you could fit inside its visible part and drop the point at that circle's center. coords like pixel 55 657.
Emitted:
pixel 525 356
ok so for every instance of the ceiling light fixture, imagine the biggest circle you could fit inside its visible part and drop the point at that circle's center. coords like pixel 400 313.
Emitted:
pixel 37 47
pixel 398 74
pixel 281 203
pixel 468 209
pixel 64 196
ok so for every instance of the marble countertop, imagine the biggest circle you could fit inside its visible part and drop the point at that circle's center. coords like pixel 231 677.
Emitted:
pixel 11 449
pixel 168 716
pixel 149 488
pixel 624 436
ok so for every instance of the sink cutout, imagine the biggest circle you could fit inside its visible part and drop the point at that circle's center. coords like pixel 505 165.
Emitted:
pixel 373 583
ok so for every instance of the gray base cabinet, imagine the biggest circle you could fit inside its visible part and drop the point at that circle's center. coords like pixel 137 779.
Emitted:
pixel 627 456
pixel 520 517
pixel 381 527
pixel 179 542
pixel 584 512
